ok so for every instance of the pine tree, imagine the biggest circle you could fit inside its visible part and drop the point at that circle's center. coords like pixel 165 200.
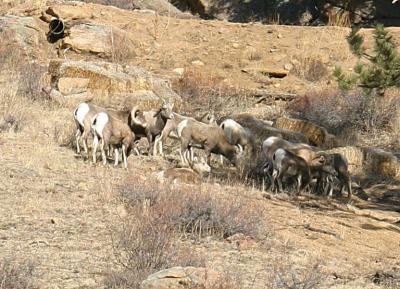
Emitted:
pixel 383 69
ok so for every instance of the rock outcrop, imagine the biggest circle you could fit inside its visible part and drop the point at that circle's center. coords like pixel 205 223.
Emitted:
pixel 317 135
pixel 110 83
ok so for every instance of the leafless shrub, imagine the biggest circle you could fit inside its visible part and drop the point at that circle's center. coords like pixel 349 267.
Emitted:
pixel 123 49
pixel 16 275
pixel 197 215
pixel 205 91
pixel 145 246
pixel 387 279
pixel 338 111
pixel 30 81
pixel 10 123
pixel 288 276
pixel 310 68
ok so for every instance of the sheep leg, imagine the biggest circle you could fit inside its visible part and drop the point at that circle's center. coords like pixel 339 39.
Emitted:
pixel 77 139
pixel 181 155
pixel 84 138
pixel 116 156
pixel 191 154
pixel 103 152
pixel 350 193
pixel 124 156
pixel 155 144
pixel 95 144
pixel 161 147
pixel 273 177
pixel 298 184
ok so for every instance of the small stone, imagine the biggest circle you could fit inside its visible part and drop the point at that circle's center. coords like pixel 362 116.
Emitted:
pixel 277 84
pixel 279 36
pixel 273 50
pixel 288 66
pixel 198 63
pixel 235 45
pixel 179 71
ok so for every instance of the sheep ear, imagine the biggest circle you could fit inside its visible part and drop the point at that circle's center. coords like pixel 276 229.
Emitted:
pixel 157 113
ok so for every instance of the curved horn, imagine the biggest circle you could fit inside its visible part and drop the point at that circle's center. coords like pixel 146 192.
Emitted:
pixel 135 112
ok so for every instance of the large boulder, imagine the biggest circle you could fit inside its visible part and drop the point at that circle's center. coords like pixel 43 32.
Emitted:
pixel 181 278
pixel 317 135
pixel 110 84
pixel 25 34
pixel 98 39
pixel 79 10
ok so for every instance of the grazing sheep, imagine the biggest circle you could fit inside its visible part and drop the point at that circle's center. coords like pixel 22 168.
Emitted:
pixel 170 129
pixel 111 132
pixel 150 124
pixel 340 164
pixel 83 115
pixel 288 164
pixel 237 134
pixel 194 174
pixel 316 160
pixel 211 138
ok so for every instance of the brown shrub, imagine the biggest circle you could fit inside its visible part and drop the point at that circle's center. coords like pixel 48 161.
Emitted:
pixel 286 275
pixel 310 68
pixel 340 112
pixel 205 92
pixel 196 215
pixel 16 275
pixel 146 246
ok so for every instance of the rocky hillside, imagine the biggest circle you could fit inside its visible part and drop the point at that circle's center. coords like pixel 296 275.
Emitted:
pixel 69 223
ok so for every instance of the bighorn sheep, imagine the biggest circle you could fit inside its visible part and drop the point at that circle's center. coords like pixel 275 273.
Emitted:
pixel 316 160
pixel 340 164
pixel 211 138
pixel 111 131
pixel 237 134
pixel 288 164
pixel 155 121
pixel 170 129
pixel 83 115
pixel 193 174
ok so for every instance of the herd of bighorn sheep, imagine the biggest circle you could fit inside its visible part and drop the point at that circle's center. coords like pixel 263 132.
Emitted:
pixel 308 167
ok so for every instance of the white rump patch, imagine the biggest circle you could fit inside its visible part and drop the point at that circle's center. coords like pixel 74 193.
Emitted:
pixel 81 112
pixel 101 121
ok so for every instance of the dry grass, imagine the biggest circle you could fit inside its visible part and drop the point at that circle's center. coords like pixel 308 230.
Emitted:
pixel 204 92
pixel 196 215
pixel 123 49
pixel 345 114
pixel 288 275
pixel 160 218
pixel 16 275
pixel 310 68
pixel 340 18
